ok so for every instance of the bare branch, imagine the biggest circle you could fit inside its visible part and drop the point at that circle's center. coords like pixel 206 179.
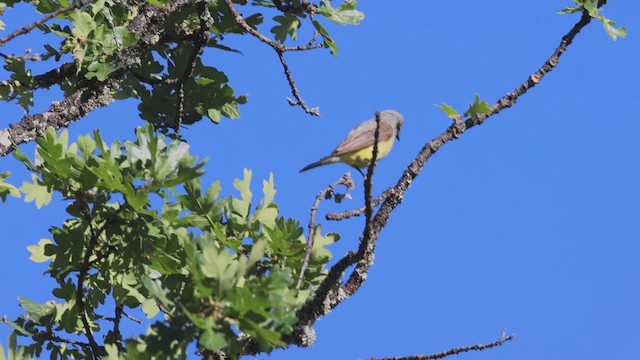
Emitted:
pixel 359 211
pixel 456 129
pixel 324 194
pixel 455 351
pixel 280 49
pixel 315 111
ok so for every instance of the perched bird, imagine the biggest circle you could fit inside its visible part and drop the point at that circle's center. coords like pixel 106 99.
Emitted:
pixel 357 149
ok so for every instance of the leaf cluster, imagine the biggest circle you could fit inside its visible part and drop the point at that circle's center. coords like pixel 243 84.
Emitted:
pixel 162 66
pixel 593 9
pixel 475 109
pixel 143 235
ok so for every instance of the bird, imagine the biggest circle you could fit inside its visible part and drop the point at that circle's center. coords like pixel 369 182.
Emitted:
pixel 357 149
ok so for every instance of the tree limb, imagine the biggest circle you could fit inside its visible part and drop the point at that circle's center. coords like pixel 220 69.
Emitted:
pixel 326 297
pixel 455 351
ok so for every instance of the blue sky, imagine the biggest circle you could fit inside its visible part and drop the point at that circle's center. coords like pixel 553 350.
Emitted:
pixel 528 222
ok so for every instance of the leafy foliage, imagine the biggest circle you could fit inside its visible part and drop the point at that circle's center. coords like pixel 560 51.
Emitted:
pixel 591 6
pixel 143 234
pixel 166 72
pixel 476 108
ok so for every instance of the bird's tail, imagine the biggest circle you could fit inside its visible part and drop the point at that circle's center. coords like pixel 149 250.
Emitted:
pixel 324 161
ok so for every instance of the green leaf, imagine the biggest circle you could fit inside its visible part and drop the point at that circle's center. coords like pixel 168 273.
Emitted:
pixel 36 312
pixel 86 145
pixel 612 31
pixel 449 110
pixel 38 253
pixel 219 264
pixel 569 10
pixel 24 159
pixel 319 251
pixel 36 191
pixel 7 189
pixel 150 308
pixel 100 70
pixel 269 191
pixel 83 25
pixel 212 340
pixel 157 291
pixel 478 107
pixel 288 25
pixel 230 110
pixel 328 40
pixel 241 206
pixel 159 3
pixel 591 6
pixel 346 14
pixel 214 115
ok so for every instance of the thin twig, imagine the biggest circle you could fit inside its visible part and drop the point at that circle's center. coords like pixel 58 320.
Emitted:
pixel 28 28
pixel 116 327
pixel 310 45
pixel 136 320
pixel 84 270
pixel 344 180
pixel 280 49
pixel 27 56
pixel 198 45
pixel 315 111
pixel 335 216
pixel 455 351
pixel 49 335
pixel 299 10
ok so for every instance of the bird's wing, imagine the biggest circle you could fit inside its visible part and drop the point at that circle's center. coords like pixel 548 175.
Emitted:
pixel 362 136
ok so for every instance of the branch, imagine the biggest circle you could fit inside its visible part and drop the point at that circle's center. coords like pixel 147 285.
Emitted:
pixel 116 327
pixel 455 351
pixel 324 194
pixel 49 335
pixel 456 129
pixel 92 94
pixel 280 49
pixel 28 28
pixel 299 10
pixel 201 40
pixel 359 211
pixel 84 270
pixel 46 80
pixel 326 297
pixel 368 242
pixel 60 114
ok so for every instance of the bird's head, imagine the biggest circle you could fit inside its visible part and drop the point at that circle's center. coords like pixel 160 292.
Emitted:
pixel 394 119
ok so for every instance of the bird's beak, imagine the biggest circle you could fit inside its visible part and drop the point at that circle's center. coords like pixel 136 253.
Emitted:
pixel 398 136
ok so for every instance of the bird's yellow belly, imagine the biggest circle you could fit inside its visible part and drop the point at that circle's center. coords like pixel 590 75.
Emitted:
pixel 361 158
